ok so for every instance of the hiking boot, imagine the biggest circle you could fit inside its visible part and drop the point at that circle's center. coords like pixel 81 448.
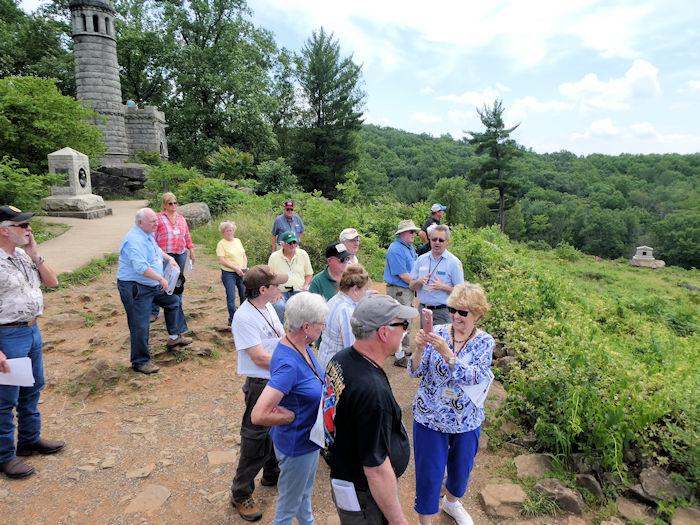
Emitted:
pixel 43 446
pixel 265 482
pixel 148 368
pixel 16 468
pixel 248 509
pixel 401 363
pixel 180 341
pixel 154 318
pixel 457 511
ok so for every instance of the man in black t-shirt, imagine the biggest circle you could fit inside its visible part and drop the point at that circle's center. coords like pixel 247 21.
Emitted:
pixel 369 445
pixel 438 211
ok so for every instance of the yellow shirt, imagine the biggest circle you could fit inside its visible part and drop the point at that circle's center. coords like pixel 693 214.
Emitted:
pixel 232 252
pixel 298 268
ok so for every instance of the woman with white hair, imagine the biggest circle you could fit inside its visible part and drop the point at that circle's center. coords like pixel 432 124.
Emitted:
pixel 290 404
pixel 234 263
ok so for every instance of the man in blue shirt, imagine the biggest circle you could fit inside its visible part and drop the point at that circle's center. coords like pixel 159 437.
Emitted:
pixel 287 222
pixel 400 258
pixel 435 274
pixel 141 283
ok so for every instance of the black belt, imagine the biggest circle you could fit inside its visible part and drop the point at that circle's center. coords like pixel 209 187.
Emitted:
pixel 434 307
pixel 18 324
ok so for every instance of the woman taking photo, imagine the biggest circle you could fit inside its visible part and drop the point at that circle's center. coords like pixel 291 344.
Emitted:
pixel 337 335
pixel 454 364
pixel 290 405
pixel 234 264
pixel 173 236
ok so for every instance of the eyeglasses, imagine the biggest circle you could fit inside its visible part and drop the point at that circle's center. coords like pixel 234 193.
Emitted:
pixel 292 242
pixel 463 313
pixel 289 209
pixel 403 323
pixel 172 203
pixel 23 225
pixel 343 260
pixel 438 239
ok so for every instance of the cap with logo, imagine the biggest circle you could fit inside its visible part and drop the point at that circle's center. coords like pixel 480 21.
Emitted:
pixel 289 204
pixel 288 237
pixel 337 249
pixel 10 213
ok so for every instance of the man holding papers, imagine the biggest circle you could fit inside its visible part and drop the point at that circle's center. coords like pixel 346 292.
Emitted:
pixel 22 271
pixel 369 447
pixel 141 284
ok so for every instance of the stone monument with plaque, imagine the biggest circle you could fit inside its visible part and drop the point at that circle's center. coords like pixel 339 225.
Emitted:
pixel 74 198
pixel 645 258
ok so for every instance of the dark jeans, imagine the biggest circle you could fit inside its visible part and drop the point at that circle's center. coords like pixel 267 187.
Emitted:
pixel 21 341
pixel 180 259
pixel 370 514
pixel 257 450
pixel 232 282
pixel 137 300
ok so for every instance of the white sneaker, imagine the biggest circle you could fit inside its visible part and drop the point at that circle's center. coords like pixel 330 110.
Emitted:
pixel 457 511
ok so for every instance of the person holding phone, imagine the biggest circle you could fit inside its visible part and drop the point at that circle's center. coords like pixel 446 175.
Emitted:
pixel 453 363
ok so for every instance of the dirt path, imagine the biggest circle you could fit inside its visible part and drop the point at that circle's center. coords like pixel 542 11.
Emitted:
pixel 167 425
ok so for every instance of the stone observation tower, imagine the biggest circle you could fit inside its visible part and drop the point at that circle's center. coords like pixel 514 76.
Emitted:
pixel 127 128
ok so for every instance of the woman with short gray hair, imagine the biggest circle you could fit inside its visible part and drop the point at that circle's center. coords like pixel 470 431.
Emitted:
pixel 290 404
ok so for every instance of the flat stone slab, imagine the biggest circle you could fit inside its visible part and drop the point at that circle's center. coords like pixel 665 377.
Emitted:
pixel 533 465
pixel 686 516
pixel 630 510
pixel 659 485
pixel 149 500
pixel 142 472
pixel 568 499
pixel 503 500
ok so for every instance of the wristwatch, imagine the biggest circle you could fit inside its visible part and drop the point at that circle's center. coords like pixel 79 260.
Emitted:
pixel 452 361
pixel 40 261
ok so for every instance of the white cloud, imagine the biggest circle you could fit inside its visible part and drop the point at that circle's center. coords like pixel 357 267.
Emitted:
pixel 644 130
pixel 426 118
pixel 694 84
pixel 529 104
pixel 473 98
pixel 426 91
pixel 603 128
pixel 640 81
pixel 503 88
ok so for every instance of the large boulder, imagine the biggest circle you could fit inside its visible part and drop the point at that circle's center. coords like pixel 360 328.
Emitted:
pixel 659 485
pixel 503 500
pixel 195 213
pixel 686 516
pixel 633 511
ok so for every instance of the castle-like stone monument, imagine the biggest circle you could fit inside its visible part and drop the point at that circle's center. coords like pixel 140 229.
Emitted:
pixel 645 258
pixel 126 128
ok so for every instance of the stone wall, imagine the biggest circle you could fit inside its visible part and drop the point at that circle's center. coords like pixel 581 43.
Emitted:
pixel 145 128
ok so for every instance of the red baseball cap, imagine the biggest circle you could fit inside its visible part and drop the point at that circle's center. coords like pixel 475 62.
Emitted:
pixel 289 204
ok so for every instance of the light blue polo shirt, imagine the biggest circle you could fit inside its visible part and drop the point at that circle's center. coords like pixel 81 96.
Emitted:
pixel 447 268
pixel 137 253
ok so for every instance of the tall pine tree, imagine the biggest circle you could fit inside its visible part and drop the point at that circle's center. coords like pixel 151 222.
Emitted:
pixel 495 171
pixel 327 141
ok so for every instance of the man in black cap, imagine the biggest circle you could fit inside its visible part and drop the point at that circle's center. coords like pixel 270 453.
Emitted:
pixel 369 448
pixel 325 283
pixel 22 271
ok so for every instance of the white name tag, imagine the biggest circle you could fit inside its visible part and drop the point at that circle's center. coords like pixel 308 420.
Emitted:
pixel 176 231
pixel 451 394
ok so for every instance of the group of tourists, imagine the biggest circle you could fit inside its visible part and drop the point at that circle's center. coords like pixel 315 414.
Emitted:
pixel 312 350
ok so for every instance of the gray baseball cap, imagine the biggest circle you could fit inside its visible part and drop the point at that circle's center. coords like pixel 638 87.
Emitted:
pixel 378 310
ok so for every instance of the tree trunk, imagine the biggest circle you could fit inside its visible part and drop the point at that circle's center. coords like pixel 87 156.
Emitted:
pixel 501 209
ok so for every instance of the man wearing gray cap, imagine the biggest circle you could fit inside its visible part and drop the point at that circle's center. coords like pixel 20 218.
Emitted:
pixel 400 257
pixel 369 448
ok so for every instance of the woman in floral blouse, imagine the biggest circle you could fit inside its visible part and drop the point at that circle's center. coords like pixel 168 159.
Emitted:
pixel 454 364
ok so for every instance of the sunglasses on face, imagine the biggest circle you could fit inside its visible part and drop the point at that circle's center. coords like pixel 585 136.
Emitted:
pixel 343 259
pixel 438 239
pixel 292 242
pixel 403 324
pixel 289 209
pixel 463 313
pixel 23 225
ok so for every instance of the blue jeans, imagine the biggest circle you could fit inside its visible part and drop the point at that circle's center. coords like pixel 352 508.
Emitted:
pixel 137 300
pixel 281 305
pixel 21 341
pixel 294 487
pixel 180 259
pixel 232 281
pixel 432 452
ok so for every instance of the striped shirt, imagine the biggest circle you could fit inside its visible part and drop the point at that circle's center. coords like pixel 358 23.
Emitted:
pixel 337 334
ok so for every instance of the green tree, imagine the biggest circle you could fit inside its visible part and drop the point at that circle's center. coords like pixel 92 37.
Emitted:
pixel 34 45
pixel 678 239
pixel 452 193
pixel 220 80
pixel 327 142
pixel 35 120
pixel 500 150
pixel 276 176
pixel 230 163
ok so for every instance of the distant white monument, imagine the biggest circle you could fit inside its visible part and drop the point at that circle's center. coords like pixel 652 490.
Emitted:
pixel 645 258
pixel 74 198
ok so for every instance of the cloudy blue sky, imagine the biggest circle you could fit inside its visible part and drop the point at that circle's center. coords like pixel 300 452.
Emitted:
pixel 587 76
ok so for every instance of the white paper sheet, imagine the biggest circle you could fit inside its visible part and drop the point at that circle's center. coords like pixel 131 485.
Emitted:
pixel 318 434
pixel 345 495
pixel 171 276
pixel 478 392
pixel 20 373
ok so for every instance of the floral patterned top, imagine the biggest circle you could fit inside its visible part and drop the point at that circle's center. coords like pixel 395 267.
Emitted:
pixel 441 403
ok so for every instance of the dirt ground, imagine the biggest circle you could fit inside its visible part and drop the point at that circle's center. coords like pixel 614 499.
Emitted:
pixel 127 431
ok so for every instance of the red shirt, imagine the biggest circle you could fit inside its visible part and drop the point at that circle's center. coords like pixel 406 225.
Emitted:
pixel 173 238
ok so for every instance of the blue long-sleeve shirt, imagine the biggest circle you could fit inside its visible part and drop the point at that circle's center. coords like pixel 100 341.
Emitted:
pixel 137 253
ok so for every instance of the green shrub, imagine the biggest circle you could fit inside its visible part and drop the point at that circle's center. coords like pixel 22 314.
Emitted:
pixel 218 194
pixel 167 177
pixel 275 176
pixel 230 163
pixel 566 252
pixel 20 188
